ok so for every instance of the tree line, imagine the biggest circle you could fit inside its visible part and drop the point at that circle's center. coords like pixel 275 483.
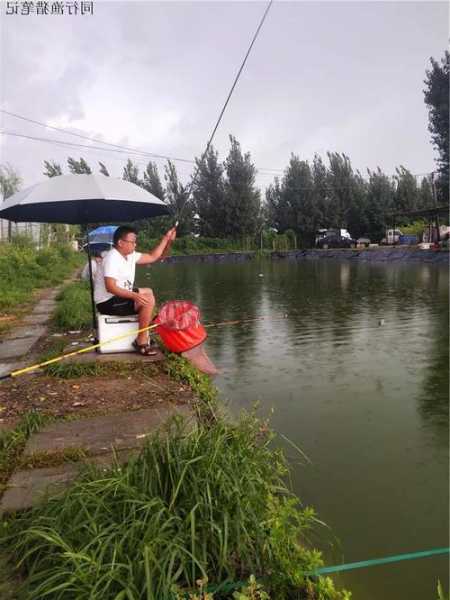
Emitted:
pixel 226 203
pixel 310 194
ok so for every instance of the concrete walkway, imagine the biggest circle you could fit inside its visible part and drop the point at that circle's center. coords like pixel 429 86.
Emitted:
pixel 104 439
pixel 20 340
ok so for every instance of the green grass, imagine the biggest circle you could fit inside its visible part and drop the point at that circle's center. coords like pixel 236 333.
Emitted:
pixel 13 442
pixel 24 269
pixel 204 503
pixel 74 309
pixel 8 580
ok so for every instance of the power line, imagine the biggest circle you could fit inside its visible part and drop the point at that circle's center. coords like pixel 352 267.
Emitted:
pixel 263 171
pixel 88 147
pixel 91 139
pixel 128 149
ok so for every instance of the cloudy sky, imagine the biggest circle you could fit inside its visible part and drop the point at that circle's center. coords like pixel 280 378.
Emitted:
pixel 340 76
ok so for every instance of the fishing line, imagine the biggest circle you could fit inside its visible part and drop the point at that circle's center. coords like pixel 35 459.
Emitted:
pixel 194 179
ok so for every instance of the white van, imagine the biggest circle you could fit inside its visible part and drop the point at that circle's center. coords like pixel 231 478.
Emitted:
pixel 392 237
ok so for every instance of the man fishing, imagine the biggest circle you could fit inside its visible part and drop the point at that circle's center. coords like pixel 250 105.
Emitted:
pixel 114 290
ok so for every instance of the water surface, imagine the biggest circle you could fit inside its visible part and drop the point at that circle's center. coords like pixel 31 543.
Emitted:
pixel 353 361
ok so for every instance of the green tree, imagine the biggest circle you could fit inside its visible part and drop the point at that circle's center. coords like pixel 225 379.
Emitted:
pixel 209 195
pixel 131 173
pixel 437 100
pixel 156 226
pixel 10 182
pixel 356 216
pixel 242 199
pixel 52 169
pixel 322 195
pixel 406 194
pixel 152 182
pixel 275 210
pixel 103 169
pixel 380 202
pixel 78 167
pixel 340 181
pixel 426 199
pixel 177 197
pixel 298 200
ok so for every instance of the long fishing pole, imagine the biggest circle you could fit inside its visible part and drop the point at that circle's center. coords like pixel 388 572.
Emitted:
pixel 51 361
pixel 200 162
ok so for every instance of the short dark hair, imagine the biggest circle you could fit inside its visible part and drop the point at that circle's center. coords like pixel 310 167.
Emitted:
pixel 121 232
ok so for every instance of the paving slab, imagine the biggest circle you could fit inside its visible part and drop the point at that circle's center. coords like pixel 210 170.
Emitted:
pixel 15 348
pixel 99 435
pixel 37 318
pixel 25 332
pixel 7 367
pixel 31 487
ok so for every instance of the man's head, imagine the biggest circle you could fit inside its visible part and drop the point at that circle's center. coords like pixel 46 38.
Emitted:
pixel 124 239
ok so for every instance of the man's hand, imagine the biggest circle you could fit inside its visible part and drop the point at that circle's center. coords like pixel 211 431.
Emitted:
pixel 171 234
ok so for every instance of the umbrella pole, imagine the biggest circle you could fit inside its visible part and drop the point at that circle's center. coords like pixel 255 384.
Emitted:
pixel 94 320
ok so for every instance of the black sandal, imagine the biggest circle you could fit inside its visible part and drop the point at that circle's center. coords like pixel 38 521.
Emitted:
pixel 144 349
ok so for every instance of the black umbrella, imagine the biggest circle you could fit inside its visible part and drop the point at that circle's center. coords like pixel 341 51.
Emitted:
pixel 82 199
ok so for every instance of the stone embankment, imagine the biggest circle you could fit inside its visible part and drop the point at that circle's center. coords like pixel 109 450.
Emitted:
pixel 387 255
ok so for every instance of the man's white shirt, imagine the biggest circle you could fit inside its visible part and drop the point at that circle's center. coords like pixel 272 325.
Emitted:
pixel 118 267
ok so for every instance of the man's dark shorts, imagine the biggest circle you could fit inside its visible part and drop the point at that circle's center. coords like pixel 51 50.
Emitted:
pixel 119 307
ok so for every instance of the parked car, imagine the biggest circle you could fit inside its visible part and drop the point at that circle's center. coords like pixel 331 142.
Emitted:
pixel 363 242
pixel 392 237
pixel 335 240
pixel 323 233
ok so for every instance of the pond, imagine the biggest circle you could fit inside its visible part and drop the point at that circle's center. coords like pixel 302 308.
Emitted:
pixel 353 361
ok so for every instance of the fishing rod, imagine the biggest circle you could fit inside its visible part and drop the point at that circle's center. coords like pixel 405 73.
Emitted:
pixel 61 357
pixel 200 162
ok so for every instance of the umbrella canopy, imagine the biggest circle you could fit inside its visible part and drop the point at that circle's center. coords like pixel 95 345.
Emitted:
pixel 76 199
pixel 100 239
pixel 102 235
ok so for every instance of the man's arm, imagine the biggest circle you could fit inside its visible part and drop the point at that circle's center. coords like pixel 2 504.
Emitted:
pixel 112 287
pixel 158 251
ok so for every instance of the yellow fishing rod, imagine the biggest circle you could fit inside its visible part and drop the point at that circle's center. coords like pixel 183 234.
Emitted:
pixel 115 339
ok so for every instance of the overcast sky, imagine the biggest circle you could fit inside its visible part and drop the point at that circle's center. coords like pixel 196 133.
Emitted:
pixel 339 76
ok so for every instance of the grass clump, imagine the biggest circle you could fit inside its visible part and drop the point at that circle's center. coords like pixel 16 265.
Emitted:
pixel 23 269
pixel 74 307
pixel 180 369
pixel 13 442
pixel 197 504
pixel 39 460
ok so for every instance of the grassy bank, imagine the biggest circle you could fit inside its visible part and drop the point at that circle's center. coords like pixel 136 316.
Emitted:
pixel 208 505
pixel 24 269
pixel 199 514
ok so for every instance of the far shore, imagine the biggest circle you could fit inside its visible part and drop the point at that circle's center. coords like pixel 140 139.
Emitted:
pixel 386 254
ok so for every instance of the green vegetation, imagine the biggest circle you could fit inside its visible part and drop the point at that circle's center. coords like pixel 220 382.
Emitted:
pixel 13 442
pixel 39 460
pixel 74 309
pixel 436 96
pixel 209 502
pixel 24 269
pixel 440 592
pixel 8 580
